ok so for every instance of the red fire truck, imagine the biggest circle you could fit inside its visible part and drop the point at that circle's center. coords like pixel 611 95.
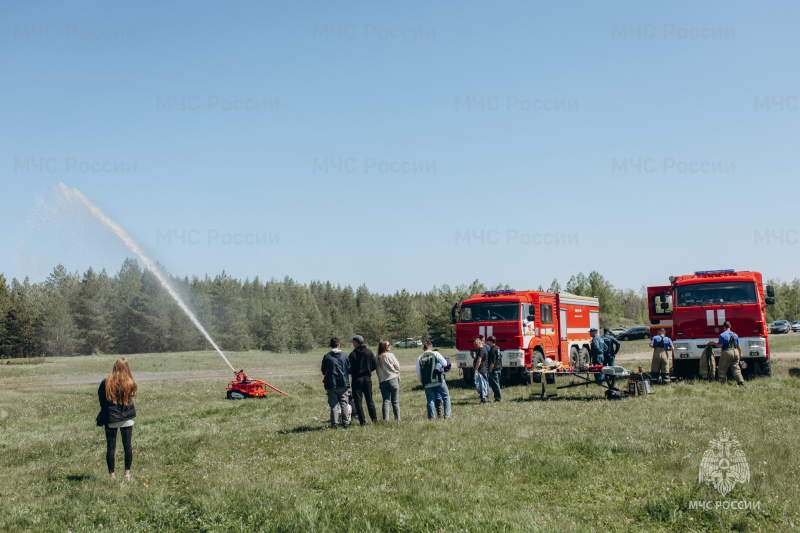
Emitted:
pixel 529 326
pixel 693 308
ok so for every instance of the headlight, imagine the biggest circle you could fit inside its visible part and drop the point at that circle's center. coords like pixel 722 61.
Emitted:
pixel 758 344
pixel 682 346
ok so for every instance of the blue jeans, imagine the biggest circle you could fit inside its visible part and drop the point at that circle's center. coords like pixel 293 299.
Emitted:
pixel 481 385
pixel 494 383
pixel 430 396
pixel 389 391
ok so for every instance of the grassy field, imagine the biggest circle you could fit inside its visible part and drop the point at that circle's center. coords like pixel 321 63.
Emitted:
pixel 203 463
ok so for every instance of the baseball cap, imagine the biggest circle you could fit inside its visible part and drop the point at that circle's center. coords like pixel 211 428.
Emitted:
pixel 593 330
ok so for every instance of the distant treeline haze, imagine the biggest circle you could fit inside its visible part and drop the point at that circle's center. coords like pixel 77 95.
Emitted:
pixel 69 314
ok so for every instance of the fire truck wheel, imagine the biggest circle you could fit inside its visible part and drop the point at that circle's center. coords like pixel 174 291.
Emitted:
pixel 683 369
pixel 469 378
pixel 585 357
pixel 573 357
pixel 761 367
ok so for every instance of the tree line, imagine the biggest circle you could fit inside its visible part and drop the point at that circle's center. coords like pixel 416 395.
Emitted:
pixel 130 312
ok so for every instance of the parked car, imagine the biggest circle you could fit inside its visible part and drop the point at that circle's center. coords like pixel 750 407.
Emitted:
pixel 618 331
pixel 408 343
pixel 796 325
pixel 780 326
pixel 638 332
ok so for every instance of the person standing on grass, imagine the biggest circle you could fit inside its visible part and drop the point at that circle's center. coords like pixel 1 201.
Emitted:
pixel 430 372
pixel 612 347
pixel 362 365
pixel 597 348
pixel 388 380
pixel 495 367
pixel 730 356
pixel 335 368
pixel 117 412
pixel 660 364
pixel 481 368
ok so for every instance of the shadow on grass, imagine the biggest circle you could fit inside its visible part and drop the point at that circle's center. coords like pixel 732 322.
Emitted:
pixel 73 477
pixel 304 429
pixel 538 398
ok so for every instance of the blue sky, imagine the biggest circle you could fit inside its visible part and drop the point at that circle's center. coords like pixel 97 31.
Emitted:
pixel 404 144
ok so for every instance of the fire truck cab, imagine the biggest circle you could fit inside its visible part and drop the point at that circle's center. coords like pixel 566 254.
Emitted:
pixel 692 309
pixel 529 326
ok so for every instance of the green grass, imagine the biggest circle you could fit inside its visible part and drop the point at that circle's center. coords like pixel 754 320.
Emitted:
pixel 787 342
pixel 203 463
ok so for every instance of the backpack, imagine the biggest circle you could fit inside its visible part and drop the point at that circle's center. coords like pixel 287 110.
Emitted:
pixel 427 369
pixel 616 394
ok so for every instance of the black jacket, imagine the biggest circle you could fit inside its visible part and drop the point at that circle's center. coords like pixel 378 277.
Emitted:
pixel 110 413
pixel 362 362
pixel 336 366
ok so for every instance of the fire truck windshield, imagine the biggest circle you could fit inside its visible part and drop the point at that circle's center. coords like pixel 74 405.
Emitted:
pixel 735 292
pixel 490 312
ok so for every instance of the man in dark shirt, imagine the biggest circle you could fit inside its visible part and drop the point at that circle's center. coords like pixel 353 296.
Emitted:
pixel 495 367
pixel 362 365
pixel 335 368
pixel 481 368
pixel 612 347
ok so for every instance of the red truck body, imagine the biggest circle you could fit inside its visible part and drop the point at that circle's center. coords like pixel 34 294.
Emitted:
pixel 693 309
pixel 529 326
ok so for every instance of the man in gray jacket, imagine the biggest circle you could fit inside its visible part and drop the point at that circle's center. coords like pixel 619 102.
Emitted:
pixel 335 368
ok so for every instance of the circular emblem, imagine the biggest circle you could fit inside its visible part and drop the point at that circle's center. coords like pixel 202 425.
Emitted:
pixel 716 330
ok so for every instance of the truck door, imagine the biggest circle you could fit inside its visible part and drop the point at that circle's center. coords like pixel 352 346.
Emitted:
pixel 548 331
pixel 660 314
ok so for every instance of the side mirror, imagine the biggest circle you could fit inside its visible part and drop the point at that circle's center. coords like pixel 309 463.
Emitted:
pixel 770 291
pixel 531 318
pixel 663 296
pixel 770 301
pixel 664 306
pixel 454 313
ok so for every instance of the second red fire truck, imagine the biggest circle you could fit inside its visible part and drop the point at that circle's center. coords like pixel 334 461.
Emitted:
pixel 693 309
pixel 529 326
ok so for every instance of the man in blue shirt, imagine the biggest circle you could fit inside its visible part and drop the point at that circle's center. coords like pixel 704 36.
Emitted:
pixel 730 356
pixel 660 364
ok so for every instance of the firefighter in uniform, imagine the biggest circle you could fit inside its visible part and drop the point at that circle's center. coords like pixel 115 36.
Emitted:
pixel 597 348
pixel 660 365
pixel 730 356
pixel 612 347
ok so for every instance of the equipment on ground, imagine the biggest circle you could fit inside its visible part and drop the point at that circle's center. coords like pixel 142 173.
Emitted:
pixel 243 387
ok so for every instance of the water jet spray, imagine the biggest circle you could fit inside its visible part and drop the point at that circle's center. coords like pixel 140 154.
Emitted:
pixel 75 195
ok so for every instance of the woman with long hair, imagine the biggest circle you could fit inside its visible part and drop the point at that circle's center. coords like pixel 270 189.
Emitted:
pixel 116 394
pixel 389 380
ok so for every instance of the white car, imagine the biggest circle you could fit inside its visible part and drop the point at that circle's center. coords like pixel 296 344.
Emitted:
pixel 796 326
pixel 408 343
